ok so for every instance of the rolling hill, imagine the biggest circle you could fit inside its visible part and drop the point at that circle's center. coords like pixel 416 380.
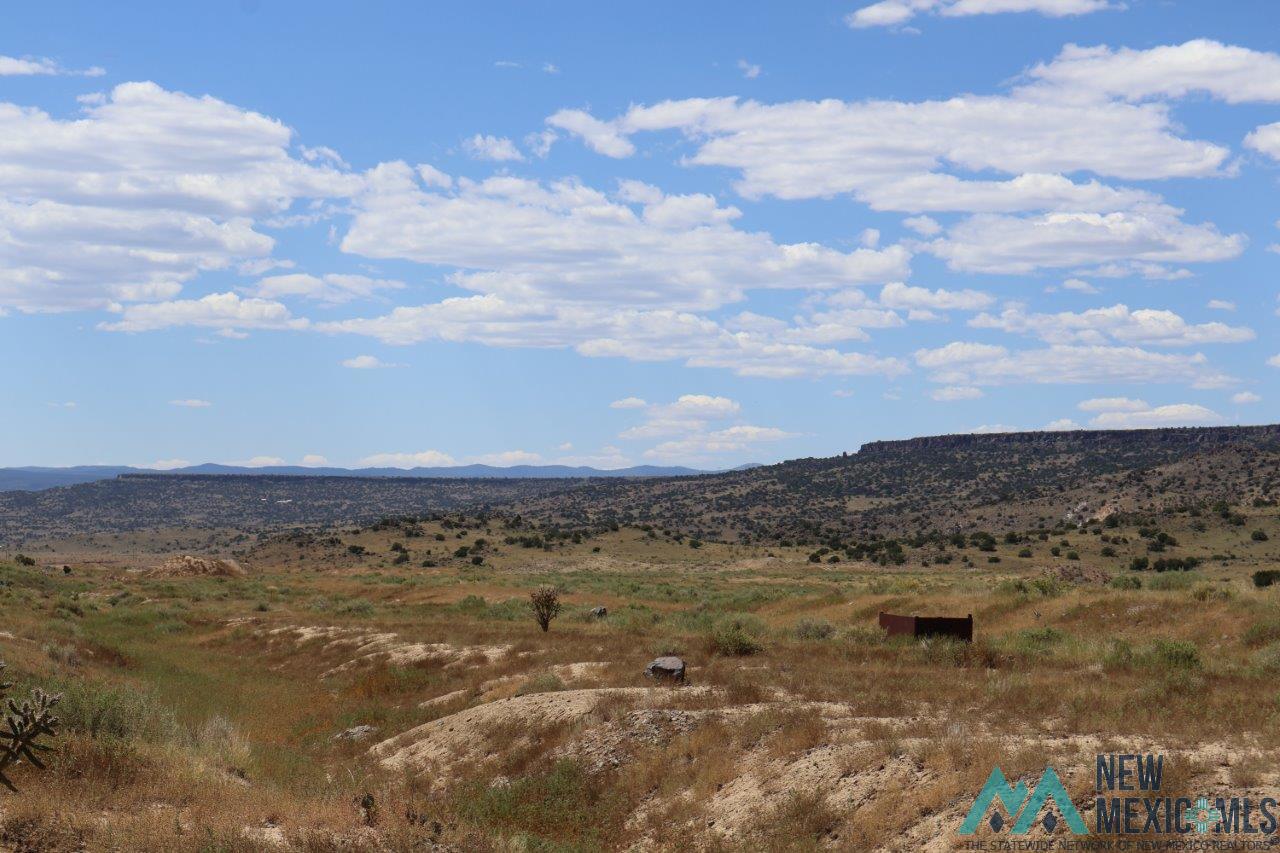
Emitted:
pixel 941 483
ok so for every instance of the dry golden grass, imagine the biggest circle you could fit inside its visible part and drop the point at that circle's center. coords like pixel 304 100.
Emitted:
pixel 200 718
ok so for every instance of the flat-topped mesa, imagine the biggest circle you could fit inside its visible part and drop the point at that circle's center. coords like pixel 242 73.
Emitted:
pixel 1190 437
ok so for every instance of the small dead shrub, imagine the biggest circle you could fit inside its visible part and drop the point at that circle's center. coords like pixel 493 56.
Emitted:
pixel 545 604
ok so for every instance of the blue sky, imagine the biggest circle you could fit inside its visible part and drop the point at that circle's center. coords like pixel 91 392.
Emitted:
pixel 574 232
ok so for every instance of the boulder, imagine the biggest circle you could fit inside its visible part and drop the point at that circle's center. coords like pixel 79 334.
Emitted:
pixel 599 612
pixel 355 733
pixel 667 666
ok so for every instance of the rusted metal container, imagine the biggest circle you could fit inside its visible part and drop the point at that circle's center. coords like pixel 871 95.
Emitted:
pixel 928 626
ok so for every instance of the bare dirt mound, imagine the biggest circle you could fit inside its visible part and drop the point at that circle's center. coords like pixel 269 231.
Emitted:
pixel 359 648
pixel 467 735
pixel 187 565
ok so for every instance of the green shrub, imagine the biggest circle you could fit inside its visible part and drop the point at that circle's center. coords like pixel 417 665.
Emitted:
pixel 1126 582
pixel 1265 577
pixel 1171 581
pixel 813 629
pixel 949 651
pixel 557 807
pixel 1169 656
pixel 1176 564
pixel 864 635
pixel 1035 641
pixel 1267 659
pixel 1043 585
pixel 1173 654
pixel 1210 592
pixel 1263 631
pixel 113 711
pixel 634 619
pixel 1259 536
pixel 358 607
pixel 1119 654
pixel 737 635
pixel 545 683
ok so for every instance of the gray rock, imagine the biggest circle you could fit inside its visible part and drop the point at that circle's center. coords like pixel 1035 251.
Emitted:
pixel 355 733
pixel 667 666
pixel 599 612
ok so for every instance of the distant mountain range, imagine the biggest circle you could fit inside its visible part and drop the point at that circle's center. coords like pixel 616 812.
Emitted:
pixel 32 478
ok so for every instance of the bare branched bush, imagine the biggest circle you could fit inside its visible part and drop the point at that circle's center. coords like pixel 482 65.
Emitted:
pixel 26 723
pixel 545 603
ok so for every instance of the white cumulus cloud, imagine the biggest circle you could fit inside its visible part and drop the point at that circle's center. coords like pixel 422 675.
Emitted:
pixel 217 310
pixel 899 295
pixel 259 462
pixel 628 403
pixel 508 458
pixel 366 362
pixel 333 288
pixel 141 192
pixel 1176 414
pixel 166 464
pixel 892 13
pixel 30 66
pixel 421 459
pixel 965 363
pixel 1116 323
pixel 1113 404
pixel 952 393
pixel 1061 425
pixel 697 428
pixel 498 148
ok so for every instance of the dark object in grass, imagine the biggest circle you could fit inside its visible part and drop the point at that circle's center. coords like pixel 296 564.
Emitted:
pixel 599 612
pixel 668 667
pixel 928 626
pixel 1266 577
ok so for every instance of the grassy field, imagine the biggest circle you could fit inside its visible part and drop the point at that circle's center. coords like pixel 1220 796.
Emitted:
pixel 208 712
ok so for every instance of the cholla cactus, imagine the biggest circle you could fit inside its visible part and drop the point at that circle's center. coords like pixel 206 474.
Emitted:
pixel 25 724
pixel 545 604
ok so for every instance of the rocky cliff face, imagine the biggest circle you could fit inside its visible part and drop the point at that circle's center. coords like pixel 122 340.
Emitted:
pixel 1192 438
